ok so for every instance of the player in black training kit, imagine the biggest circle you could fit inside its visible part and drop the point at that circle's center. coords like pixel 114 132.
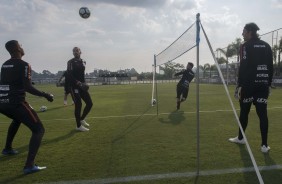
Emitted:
pixel 254 81
pixel 66 86
pixel 15 82
pixel 79 89
pixel 182 87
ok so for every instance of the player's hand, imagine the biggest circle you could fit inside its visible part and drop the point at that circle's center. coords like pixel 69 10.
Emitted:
pixel 83 86
pixel 237 93
pixel 48 96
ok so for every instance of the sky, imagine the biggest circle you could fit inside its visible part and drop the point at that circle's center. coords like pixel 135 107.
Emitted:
pixel 122 34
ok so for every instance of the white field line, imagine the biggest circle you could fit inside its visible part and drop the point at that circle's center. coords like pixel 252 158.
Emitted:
pixel 137 115
pixel 167 175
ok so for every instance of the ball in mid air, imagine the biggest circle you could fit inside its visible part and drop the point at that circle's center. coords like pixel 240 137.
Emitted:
pixel 84 12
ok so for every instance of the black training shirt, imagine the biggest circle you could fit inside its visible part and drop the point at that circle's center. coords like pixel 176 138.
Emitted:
pixel 256 64
pixel 15 82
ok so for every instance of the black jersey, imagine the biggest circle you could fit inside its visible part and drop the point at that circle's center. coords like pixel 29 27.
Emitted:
pixel 15 82
pixel 256 64
pixel 187 76
pixel 75 71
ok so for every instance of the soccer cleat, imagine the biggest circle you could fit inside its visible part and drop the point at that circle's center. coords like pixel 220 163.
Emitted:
pixel 82 129
pixel 265 149
pixel 33 169
pixel 9 152
pixel 237 141
pixel 178 105
pixel 83 122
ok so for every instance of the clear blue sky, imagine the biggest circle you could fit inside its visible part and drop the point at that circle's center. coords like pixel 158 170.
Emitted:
pixel 122 34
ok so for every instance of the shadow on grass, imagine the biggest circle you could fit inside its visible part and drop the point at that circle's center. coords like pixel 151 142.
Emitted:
pixel 44 142
pixel 272 176
pixel 175 118
pixel 13 179
pixel 249 177
pixel 130 128
pixel 54 108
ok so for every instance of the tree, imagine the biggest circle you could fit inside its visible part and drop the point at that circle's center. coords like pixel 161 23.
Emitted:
pixel 170 68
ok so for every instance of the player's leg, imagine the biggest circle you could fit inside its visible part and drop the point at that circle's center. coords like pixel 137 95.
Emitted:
pixel 261 110
pixel 178 96
pixel 75 93
pixel 25 114
pixel 185 94
pixel 244 116
pixel 12 131
pixel 245 101
pixel 88 105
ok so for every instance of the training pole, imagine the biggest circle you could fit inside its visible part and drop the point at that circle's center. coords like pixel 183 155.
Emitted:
pixel 198 92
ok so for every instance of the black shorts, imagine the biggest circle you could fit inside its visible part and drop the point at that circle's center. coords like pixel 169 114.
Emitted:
pixel 22 113
pixel 258 94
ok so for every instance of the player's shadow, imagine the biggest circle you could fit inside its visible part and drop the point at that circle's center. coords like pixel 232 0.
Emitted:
pixel 52 109
pixel 175 118
pixel 274 170
pixel 25 148
pixel 131 126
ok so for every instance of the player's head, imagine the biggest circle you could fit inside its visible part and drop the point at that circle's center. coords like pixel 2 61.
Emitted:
pixel 190 65
pixel 250 31
pixel 76 52
pixel 14 48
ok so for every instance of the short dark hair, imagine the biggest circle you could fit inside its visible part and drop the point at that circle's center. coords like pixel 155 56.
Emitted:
pixel 252 27
pixel 191 64
pixel 11 46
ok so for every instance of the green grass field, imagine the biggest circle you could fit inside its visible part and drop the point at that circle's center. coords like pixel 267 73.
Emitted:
pixel 128 140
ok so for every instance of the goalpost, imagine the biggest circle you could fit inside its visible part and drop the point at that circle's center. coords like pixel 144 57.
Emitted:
pixel 186 42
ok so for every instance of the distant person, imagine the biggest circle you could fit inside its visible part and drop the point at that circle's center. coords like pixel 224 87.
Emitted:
pixel 182 87
pixel 254 81
pixel 79 89
pixel 66 86
pixel 15 82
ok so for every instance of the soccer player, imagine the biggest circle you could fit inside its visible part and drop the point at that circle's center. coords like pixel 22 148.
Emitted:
pixel 79 89
pixel 254 81
pixel 182 87
pixel 66 87
pixel 15 82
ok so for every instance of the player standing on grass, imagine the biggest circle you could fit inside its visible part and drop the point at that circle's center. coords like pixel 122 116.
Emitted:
pixel 79 90
pixel 254 81
pixel 182 87
pixel 66 87
pixel 15 82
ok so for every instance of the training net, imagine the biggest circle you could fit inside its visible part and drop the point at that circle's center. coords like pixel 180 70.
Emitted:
pixel 181 46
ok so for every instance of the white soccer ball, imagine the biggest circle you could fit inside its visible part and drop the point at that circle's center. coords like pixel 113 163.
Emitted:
pixel 43 108
pixel 84 12
pixel 154 101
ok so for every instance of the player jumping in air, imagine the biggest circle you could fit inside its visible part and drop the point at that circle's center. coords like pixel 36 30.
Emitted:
pixel 182 87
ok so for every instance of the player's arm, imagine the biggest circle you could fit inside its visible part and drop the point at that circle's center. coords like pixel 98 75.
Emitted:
pixel 270 66
pixel 242 73
pixel 69 74
pixel 29 87
pixel 179 73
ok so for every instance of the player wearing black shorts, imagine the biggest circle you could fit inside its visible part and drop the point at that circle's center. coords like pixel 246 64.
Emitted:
pixel 254 81
pixel 15 82
pixel 79 89
pixel 182 87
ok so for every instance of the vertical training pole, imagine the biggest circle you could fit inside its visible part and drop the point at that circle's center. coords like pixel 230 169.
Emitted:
pixel 156 92
pixel 197 92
